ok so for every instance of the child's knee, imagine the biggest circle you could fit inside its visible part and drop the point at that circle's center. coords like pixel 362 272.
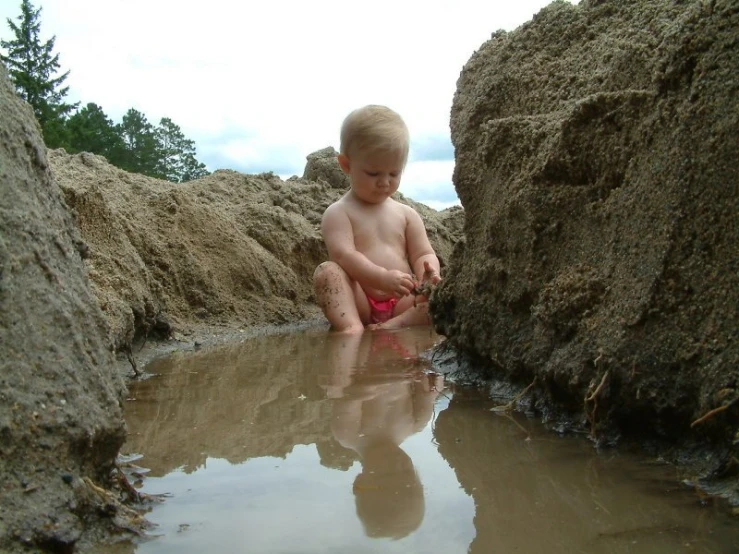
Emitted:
pixel 325 272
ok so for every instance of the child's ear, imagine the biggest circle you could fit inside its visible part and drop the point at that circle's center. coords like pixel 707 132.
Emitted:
pixel 343 162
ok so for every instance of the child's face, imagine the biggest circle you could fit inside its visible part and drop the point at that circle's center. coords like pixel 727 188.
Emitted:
pixel 374 176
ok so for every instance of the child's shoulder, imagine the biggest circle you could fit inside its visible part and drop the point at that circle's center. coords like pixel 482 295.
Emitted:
pixel 338 208
pixel 403 207
pixel 339 204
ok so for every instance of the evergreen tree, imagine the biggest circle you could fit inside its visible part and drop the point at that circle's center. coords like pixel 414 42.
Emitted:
pixel 141 153
pixel 177 154
pixel 192 168
pixel 90 130
pixel 32 67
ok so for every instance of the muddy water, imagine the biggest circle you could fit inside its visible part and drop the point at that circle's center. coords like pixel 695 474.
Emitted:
pixel 314 442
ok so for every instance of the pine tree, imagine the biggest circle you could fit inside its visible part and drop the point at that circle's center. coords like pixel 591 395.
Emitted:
pixel 177 154
pixel 141 148
pixel 32 67
pixel 90 130
pixel 192 168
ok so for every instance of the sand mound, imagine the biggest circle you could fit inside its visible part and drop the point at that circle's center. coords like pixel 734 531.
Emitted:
pixel 60 398
pixel 597 164
pixel 229 249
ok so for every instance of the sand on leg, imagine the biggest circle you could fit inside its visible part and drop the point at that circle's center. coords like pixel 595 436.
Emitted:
pixel 341 299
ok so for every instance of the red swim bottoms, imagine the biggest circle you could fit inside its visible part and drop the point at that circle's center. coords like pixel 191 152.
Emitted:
pixel 381 310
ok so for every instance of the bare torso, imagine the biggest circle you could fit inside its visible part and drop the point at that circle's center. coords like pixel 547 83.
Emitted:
pixel 380 234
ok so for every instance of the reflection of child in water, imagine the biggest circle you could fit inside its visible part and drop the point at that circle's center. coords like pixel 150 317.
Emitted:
pixel 378 403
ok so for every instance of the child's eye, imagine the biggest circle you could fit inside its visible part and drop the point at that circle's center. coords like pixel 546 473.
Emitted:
pixel 372 173
pixel 394 174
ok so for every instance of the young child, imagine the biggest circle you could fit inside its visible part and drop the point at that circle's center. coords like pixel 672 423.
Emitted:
pixel 378 248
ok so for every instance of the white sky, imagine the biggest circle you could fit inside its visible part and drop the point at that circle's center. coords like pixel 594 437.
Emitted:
pixel 260 84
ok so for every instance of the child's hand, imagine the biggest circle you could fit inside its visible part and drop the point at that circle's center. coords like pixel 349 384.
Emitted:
pixel 397 283
pixel 430 274
pixel 430 279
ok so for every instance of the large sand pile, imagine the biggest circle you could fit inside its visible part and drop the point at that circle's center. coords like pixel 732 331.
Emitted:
pixel 228 250
pixel 61 422
pixel 596 151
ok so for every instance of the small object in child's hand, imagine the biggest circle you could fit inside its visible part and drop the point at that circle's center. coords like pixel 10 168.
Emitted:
pixel 422 289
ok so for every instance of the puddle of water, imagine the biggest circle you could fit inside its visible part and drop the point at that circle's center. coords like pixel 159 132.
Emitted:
pixel 315 442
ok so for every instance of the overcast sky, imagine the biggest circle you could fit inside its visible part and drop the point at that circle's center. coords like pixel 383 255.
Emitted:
pixel 260 84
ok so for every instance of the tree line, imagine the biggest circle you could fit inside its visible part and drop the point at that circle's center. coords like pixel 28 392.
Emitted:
pixel 134 144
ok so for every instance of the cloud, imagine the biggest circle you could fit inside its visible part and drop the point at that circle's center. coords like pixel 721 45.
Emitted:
pixel 250 153
pixel 260 85
pixel 431 147
pixel 429 182
pixel 439 206
pixel 215 160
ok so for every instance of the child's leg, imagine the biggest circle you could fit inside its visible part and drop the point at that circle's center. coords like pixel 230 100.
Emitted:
pixel 341 299
pixel 407 315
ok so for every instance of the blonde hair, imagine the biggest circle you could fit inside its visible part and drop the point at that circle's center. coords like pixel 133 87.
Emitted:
pixel 374 129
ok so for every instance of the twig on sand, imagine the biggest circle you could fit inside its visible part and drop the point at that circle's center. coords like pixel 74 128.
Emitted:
pixel 593 397
pixel 708 415
pixel 132 361
pixel 509 407
pixel 597 390
pixel 126 485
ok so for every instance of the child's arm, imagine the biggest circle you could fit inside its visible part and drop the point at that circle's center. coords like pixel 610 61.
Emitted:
pixel 339 238
pixel 420 251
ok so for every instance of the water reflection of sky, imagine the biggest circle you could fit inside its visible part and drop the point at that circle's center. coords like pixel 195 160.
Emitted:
pixel 314 442
pixel 297 505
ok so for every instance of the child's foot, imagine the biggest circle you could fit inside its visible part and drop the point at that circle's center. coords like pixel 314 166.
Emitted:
pixel 350 331
pixel 398 322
